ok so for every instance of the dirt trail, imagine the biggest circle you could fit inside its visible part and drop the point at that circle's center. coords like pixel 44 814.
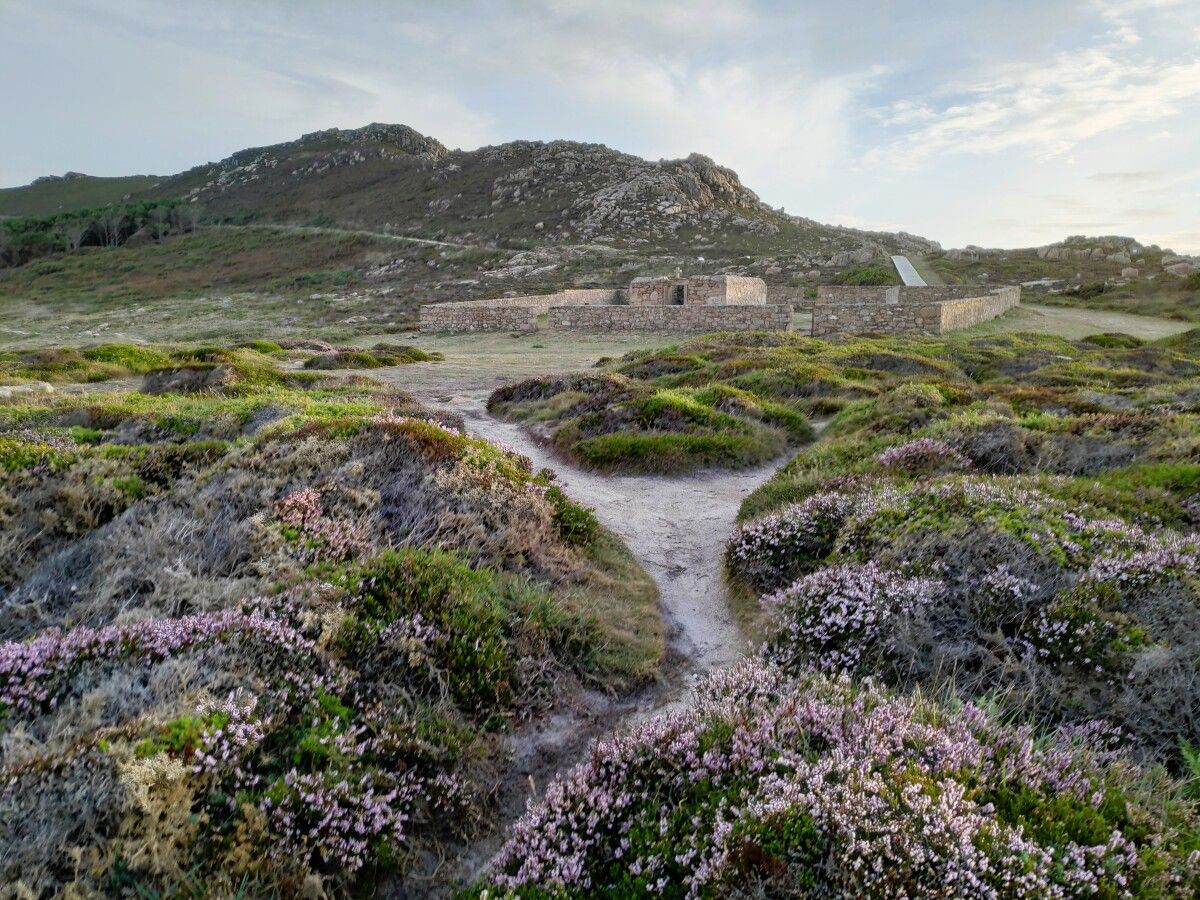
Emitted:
pixel 676 527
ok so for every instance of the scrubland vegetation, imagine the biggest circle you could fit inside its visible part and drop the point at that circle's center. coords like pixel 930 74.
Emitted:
pixel 1171 298
pixel 266 629
pixel 978 602
pixel 263 634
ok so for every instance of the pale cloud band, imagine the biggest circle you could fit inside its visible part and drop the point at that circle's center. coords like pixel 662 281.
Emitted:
pixel 998 123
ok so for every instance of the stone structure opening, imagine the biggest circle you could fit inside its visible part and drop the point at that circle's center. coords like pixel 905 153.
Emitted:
pixel 679 295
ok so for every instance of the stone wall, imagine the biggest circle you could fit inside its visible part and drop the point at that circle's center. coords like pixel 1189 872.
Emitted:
pixel 741 290
pixel 507 313
pixel 701 290
pixel 860 309
pixel 672 318
pixel 970 311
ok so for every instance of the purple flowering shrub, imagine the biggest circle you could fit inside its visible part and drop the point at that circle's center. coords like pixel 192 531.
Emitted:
pixel 771 551
pixel 287 674
pixel 924 456
pixel 836 616
pixel 352 738
pixel 984 585
pixel 764 786
pixel 319 536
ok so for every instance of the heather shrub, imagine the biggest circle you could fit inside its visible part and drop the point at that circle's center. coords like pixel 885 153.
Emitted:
pixel 279 662
pixel 576 524
pixel 924 456
pixel 772 550
pixel 836 617
pixel 327 735
pixel 766 786
pixel 475 625
pixel 988 587
pixel 378 356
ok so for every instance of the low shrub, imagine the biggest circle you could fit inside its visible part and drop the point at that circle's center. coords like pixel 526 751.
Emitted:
pixel 924 456
pixel 576 524
pixel 836 617
pixel 377 357
pixel 866 275
pixel 1057 610
pixel 772 550
pixel 765 786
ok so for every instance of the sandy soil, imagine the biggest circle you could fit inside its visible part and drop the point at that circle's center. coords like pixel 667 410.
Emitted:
pixel 675 527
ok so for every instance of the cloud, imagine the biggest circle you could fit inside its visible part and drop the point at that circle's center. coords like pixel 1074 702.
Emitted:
pixel 1046 111
pixel 953 120
pixel 1128 177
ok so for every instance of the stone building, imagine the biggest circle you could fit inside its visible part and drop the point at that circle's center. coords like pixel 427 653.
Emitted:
pixel 697 303
pixel 698 290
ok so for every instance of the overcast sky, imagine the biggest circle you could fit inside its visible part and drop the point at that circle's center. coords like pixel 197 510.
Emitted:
pixel 994 122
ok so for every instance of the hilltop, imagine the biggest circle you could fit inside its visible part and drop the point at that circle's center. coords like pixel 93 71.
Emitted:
pixel 393 179
pixel 1112 272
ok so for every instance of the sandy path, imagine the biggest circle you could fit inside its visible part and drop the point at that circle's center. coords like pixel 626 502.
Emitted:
pixel 676 527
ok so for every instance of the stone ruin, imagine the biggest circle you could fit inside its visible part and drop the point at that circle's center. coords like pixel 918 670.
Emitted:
pixel 697 303
pixel 899 309
pixel 704 303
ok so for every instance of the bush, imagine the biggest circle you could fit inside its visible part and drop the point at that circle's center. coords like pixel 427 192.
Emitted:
pixel 1061 612
pixel 866 275
pixel 818 787
pixel 835 618
pixel 922 457
pixel 576 524
pixel 771 551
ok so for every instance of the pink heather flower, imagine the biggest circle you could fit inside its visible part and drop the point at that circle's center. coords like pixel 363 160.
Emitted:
pixel 924 455
pixel 31 671
pixel 894 792
pixel 832 618
pixel 335 539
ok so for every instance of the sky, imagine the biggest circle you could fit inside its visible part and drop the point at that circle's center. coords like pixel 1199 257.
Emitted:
pixel 1001 123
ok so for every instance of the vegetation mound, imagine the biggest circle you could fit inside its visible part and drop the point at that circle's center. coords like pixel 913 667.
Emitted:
pixel 266 637
pixel 377 357
pixel 767 786
pixel 1021 526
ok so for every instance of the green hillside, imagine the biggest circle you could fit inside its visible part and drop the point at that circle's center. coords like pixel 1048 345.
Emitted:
pixel 66 193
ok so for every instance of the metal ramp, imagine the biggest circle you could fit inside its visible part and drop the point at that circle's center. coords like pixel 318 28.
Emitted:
pixel 908 274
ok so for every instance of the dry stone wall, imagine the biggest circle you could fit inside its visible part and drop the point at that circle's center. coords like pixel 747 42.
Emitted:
pixel 972 310
pixel 892 310
pixel 745 291
pixel 672 318
pixel 701 290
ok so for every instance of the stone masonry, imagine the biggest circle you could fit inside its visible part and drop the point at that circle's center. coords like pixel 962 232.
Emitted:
pixel 702 303
pixel 698 290
pixel 897 309
pixel 690 318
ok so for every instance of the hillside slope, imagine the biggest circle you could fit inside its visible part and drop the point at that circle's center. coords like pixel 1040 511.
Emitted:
pixel 524 193
pixel 53 194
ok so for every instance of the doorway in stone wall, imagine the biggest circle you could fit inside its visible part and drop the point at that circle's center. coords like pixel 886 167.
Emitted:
pixel 678 294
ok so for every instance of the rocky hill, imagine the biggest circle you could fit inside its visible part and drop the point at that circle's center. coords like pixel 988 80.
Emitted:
pixel 523 194
pixel 1076 260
